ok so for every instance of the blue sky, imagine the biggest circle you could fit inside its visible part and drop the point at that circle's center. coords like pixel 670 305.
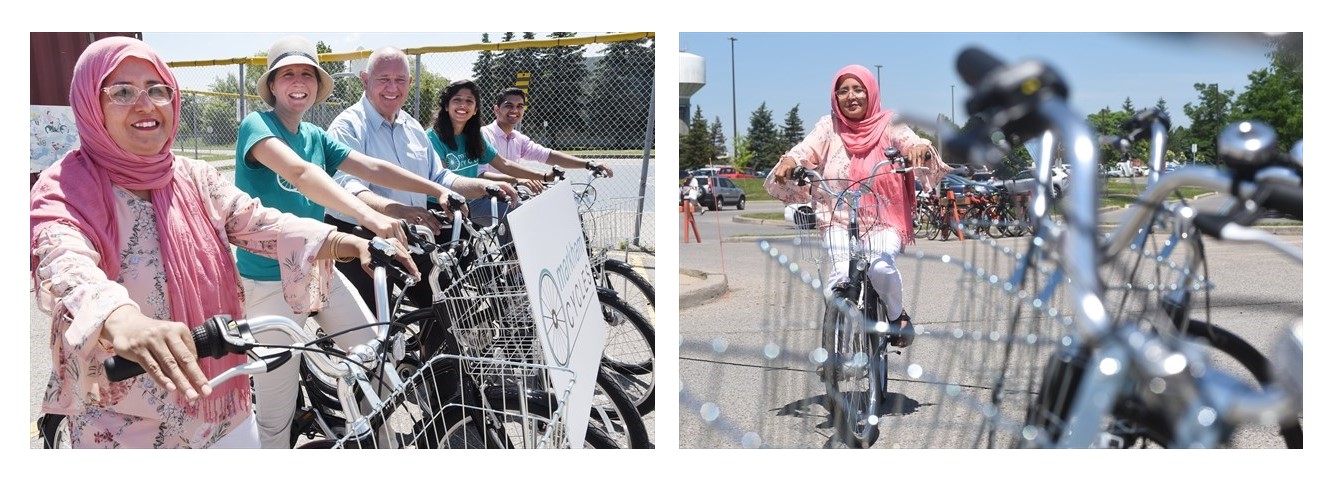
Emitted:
pixel 787 69
pixel 177 46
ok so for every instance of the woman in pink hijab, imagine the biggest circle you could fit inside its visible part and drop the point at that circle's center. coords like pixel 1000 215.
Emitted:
pixel 130 250
pixel 843 148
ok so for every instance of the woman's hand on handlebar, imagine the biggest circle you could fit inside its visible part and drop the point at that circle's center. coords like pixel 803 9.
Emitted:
pixel 783 170
pixel 385 227
pixel 165 349
pixel 918 154
pixel 401 256
pixel 415 215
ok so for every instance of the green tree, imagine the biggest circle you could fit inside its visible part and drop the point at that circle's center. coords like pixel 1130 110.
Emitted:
pixel 1208 117
pixel 717 138
pixel 430 89
pixel 1275 95
pixel 485 74
pixel 792 132
pixel 763 139
pixel 506 65
pixel 694 147
pixel 1128 107
pixel 743 155
pixel 619 105
pixel 1107 122
pixel 559 82
pixel 1161 107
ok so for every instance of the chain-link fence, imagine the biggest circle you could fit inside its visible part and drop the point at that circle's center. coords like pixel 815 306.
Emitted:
pixel 592 97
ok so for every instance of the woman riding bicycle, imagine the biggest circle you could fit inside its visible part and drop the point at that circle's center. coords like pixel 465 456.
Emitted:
pixel 844 147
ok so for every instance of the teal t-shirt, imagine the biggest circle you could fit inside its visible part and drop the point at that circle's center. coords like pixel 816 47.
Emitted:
pixel 455 160
pixel 312 144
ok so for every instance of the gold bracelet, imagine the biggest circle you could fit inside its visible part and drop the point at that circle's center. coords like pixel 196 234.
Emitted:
pixel 336 244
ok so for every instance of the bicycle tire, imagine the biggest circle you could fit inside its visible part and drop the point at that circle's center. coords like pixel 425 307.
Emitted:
pixel 1254 361
pixel 1061 383
pixel 922 221
pixel 629 351
pixel 936 225
pixel 633 287
pixel 1011 224
pixel 855 414
pixel 976 220
pixel 614 411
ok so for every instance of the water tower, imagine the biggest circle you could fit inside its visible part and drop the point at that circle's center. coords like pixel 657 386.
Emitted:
pixel 691 69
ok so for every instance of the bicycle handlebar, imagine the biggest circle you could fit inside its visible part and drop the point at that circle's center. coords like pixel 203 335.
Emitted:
pixel 221 335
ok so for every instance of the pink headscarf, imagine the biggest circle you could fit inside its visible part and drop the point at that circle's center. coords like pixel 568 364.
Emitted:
pixel 201 276
pixel 866 141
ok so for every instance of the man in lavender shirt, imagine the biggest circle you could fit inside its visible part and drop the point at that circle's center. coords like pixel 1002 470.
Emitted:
pixel 514 146
pixel 379 126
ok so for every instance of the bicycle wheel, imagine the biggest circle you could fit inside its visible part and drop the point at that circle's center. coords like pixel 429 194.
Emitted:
pixel 853 374
pixel 614 413
pixel 629 284
pixel 936 223
pixel 53 429
pixel 1011 224
pixel 629 351
pixel 922 223
pixel 975 220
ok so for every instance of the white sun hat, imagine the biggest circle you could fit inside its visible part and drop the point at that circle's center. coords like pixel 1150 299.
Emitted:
pixel 290 51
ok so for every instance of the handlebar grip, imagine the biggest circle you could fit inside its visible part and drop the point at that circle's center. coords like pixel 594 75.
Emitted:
pixel 559 173
pixel 1210 224
pixel 455 201
pixel 494 191
pixel 974 64
pixel 380 257
pixel 207 341
pixel 799 175
pixel 1286 199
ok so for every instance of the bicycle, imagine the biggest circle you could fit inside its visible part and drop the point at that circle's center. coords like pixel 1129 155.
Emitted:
pixel 625 295
pixel 1060 339
pixel 483 312
pixel 856 331
pixel 1157 386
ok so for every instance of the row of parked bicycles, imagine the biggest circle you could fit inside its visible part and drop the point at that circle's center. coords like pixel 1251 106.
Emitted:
pixel 1074 337
pixel 468 371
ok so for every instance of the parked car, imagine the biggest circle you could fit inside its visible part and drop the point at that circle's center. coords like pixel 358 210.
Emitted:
pixel 802 216
pixel 963 186
pixel 1026 180
pixel 726 192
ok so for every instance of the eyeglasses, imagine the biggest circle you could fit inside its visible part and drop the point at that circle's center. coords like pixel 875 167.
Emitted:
pixel 125 94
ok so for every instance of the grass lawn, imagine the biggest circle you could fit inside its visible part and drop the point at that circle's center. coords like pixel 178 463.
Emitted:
pixel 755 189
pixel 765 215
pixel 1121 192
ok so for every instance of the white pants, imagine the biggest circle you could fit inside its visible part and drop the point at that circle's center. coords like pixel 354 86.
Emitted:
pixel 277 390
pixel 883 246
pixel 245 436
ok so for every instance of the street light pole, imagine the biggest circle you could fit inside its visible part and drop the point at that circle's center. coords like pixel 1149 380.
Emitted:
pixel 732 42
pixel 877 77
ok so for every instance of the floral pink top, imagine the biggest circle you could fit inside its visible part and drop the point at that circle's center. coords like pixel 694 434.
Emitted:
pixel 137 412
pixel 823 151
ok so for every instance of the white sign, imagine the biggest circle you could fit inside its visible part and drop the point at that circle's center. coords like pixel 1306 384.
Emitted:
pixel 564 298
